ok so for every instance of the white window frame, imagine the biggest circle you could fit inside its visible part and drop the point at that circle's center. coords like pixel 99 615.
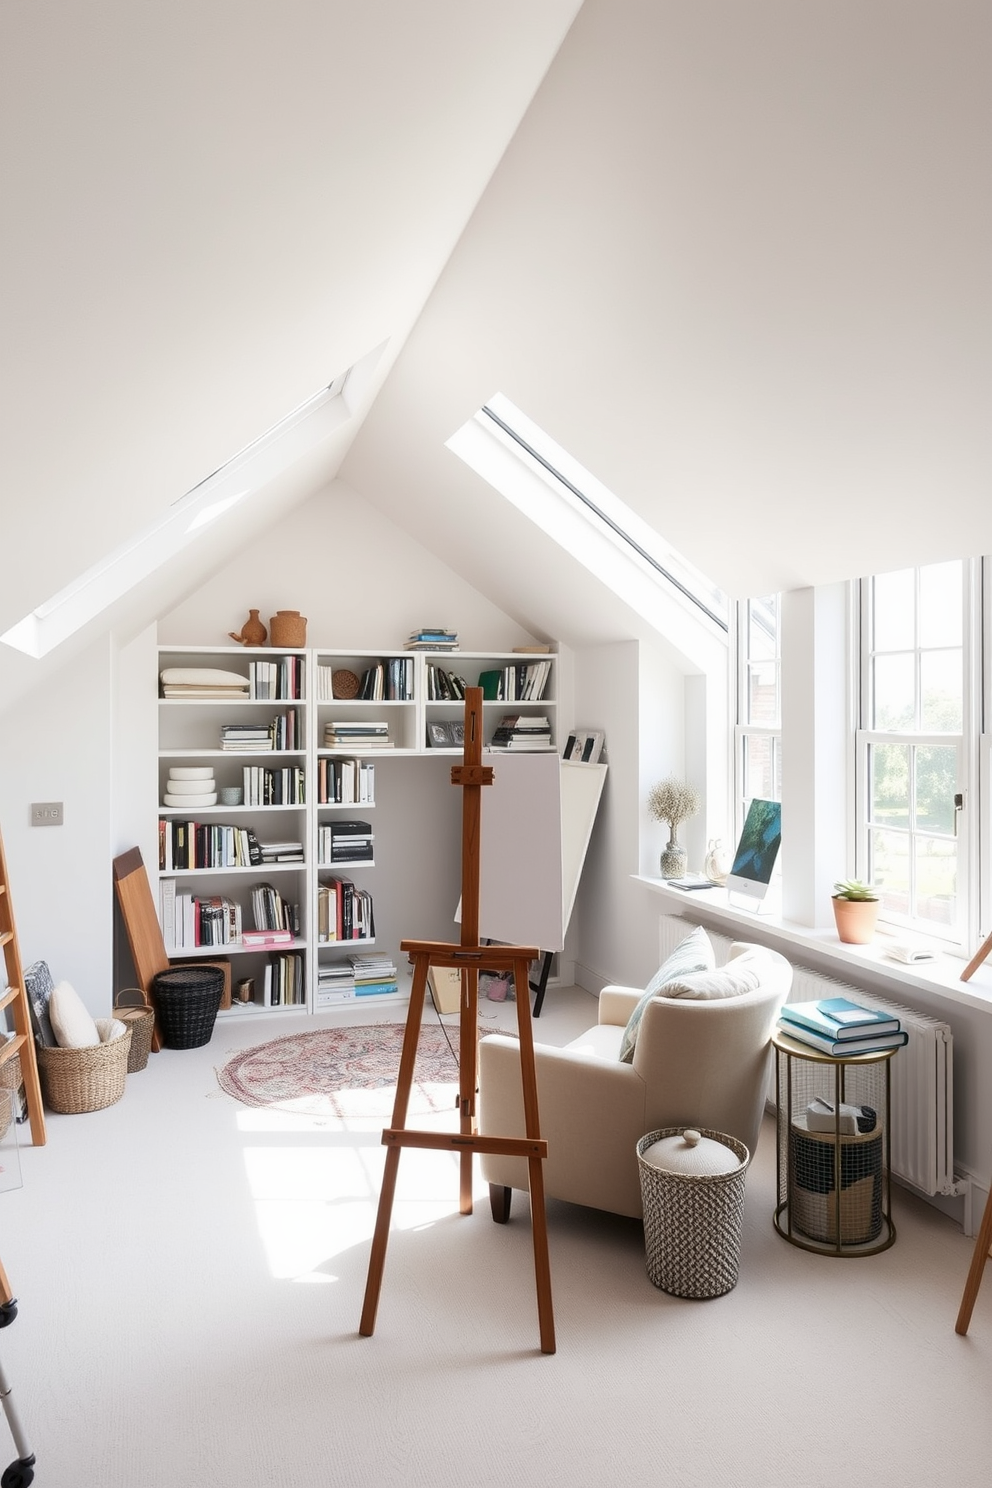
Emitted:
pixel 959 934
pixel 743 729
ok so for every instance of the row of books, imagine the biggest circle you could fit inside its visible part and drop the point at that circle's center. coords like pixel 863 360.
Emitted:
pixel 185 845
pixel 344 842
pixel 520 682
pixel 432 638
pixel 193 920
pixel 283 983
pixel 357 734
pixel 282 733
pixel 282 679
pixel 344 911
pixel 189 920
pixel 520 731
pixel 272 911
pixel 443 686
pixel 391 679
pixel 837 1026
pixel 345 782
pixel 264 786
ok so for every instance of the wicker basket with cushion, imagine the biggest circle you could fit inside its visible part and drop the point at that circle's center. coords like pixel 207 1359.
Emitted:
pixel 186 1002
pixel 77 1080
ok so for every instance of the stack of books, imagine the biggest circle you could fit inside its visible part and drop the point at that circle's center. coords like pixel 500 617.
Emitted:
pixel 516 731
pixel 281 852
pixel 357 734
pixel 837 1026
pixel 344 842
pixel 373 975
pixel 432 638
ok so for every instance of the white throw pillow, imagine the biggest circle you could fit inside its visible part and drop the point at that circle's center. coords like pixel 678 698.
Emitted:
pixel 73 1025
pixel 695 953
pixel 729 981
pixel 110 1029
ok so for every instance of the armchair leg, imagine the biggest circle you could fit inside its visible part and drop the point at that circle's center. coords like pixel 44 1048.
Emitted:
pixel 499 1202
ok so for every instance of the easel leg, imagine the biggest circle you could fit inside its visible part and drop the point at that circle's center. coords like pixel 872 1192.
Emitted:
pixel 982 1247
pixel 408 1059
pixel 535 1165
pixel 468 1059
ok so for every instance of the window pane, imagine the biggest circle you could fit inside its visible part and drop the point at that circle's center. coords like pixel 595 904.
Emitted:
pixel 940 689
pixel 888 766
pixel 940 604
pixel 762 693
pixel 893 611
pixel 936 880
pixel 760 768
pixel 763 622
pixel 894 691
pixel 889 870
pixel 936 780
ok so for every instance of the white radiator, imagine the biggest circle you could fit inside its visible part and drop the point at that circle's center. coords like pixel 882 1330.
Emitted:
pixel 922 1092
pixel 922 1097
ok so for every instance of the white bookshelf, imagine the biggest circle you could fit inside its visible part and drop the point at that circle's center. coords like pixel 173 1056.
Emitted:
pixel 412 805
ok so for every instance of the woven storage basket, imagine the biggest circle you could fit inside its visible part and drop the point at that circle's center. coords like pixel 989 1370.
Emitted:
pixel 133 1008
pixel 10 1080
pixel 75 1080
pixel 814 1202
pixel 693 1221
pixel 186 1002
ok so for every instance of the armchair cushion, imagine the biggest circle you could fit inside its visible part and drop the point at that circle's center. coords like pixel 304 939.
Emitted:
pixel 693 954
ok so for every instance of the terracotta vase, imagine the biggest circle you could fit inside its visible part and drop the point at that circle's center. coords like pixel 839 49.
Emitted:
pixel 252 633
pixel 288 628
pixel 855 919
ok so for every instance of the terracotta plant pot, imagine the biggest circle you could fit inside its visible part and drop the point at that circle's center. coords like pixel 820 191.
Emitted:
pixel 288 628
pixel 856 919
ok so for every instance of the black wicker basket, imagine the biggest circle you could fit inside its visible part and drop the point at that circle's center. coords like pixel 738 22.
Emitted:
pixel 186 1001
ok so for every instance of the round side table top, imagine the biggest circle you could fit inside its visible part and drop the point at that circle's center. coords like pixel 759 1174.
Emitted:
pixel 800 1050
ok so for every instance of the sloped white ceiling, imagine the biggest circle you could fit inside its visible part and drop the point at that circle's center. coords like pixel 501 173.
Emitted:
pixel 738 260
pixel 736 257
pixel 212 208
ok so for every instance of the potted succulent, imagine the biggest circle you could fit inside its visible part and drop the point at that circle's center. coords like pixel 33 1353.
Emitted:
pixel 672 801
pixel 855 910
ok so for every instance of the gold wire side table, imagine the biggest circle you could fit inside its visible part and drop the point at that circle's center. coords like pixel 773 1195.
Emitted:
pixel 834 1193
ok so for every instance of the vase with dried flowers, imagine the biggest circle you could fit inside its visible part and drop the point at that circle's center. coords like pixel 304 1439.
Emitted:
pixel 672 801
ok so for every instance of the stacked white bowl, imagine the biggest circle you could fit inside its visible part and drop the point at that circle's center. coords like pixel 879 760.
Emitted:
pixel 190 787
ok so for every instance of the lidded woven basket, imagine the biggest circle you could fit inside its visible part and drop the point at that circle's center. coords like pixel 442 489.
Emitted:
pixel 692 1192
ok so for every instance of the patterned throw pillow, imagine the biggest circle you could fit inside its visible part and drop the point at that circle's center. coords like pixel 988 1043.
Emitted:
pixel 695 953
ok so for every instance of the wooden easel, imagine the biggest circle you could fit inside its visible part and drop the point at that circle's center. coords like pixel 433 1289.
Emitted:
pixel 977 959
pixel 469 958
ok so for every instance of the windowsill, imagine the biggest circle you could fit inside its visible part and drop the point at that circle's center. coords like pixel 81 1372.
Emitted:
pixel 940 977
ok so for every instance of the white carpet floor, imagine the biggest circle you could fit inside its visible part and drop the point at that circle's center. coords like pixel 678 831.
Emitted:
pixel 190 1275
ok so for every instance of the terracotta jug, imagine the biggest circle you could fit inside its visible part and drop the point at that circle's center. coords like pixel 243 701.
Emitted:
pixel 252 633
pixel 288 628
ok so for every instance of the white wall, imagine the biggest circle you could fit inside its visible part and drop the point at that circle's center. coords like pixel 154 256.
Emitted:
pixel 360 581
pixel 58 745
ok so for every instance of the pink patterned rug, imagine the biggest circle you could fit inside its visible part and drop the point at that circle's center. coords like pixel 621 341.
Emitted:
pixel 345 1071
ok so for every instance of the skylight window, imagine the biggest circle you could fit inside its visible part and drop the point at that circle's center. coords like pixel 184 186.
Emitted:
pixel 253 467
pixel 522 462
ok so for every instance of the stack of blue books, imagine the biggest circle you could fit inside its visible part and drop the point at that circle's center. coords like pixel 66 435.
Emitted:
pixel 837 1026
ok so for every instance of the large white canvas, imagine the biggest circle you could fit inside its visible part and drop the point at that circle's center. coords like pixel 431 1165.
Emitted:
pixel 520 874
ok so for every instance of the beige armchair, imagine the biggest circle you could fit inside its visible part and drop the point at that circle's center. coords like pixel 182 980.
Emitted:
pixel 696 1062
